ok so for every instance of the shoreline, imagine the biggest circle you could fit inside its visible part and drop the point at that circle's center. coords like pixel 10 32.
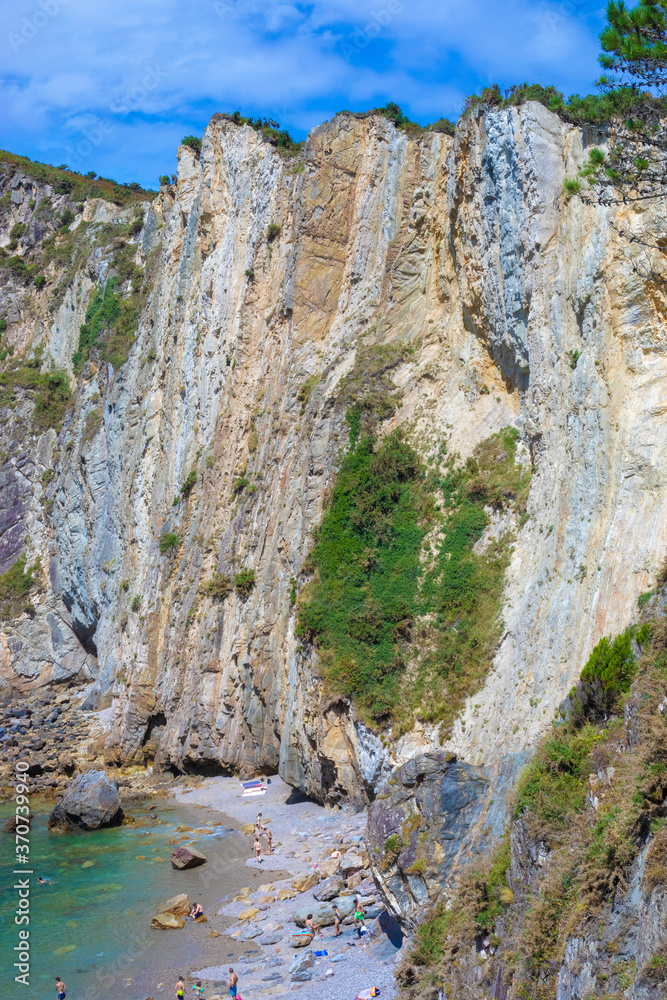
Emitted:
pixel 305 834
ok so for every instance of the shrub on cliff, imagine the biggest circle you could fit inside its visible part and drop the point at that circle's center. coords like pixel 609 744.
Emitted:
pixel 590 800
pixel 217 587
pixel 15 585
pixel 189 483
pixel 244 581
pixel 50 391
pixel 193 142
pixel 169 542
pixel 371 584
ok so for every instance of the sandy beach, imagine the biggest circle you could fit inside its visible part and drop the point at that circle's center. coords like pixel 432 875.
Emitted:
pixel 305 835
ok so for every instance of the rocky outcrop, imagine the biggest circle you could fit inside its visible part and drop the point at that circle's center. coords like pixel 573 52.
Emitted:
pixel 91 801
pixel 466 249
pixel 422 827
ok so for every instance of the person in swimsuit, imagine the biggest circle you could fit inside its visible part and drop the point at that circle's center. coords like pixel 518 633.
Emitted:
pixel 180 988
pixel 61 989
pixel 233 982
pixel 199 989
pixel 358 917
pixel 196 911
pixel 269 837
pixel 336 921
pixel 258 849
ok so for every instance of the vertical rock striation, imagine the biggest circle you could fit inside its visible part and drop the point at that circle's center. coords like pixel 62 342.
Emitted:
pixel 464 248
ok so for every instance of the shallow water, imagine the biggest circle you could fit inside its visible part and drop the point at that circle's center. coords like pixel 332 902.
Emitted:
pixel 92 923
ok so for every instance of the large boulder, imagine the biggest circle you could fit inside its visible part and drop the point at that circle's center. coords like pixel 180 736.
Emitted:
pixel 178 905
pixel 352 862
pixel 186 857
pixel 304 882
pixel 323 914
pixel 329 889
pixel 91 801
pixel 329 867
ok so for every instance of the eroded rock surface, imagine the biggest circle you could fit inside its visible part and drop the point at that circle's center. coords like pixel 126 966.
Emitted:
pixel 466 249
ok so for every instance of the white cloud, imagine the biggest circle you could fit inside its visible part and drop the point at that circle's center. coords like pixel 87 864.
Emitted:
pixel 151 67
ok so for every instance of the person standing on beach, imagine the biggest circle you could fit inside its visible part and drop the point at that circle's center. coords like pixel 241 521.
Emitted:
pixel 258 825
pixel 180 988
pixel 61 989
pixel 258 849
pixel 269 838
pixel 233 982
pixel 359 917
pixel 336 921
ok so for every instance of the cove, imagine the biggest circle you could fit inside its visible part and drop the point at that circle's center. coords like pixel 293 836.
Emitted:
pixel 91 924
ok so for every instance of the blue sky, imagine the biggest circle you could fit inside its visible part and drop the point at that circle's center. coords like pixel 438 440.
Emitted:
pixel 114 86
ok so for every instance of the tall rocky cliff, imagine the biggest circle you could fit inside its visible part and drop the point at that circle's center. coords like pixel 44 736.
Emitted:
pixel 212 449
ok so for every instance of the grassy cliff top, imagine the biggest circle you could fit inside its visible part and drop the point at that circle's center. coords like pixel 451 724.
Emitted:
pixel 77 187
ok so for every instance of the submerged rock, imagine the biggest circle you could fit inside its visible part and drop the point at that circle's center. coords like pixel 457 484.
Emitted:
pixel 91 801
pixel 167 922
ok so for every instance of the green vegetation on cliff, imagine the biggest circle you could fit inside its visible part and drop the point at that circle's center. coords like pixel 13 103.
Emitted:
pixel 111 323
pixel 374 583
pixel 15 585
pixel 76 186
pixel 50 391
pixel 591 799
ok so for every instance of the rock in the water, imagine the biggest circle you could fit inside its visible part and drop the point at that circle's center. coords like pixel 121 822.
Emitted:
pixel 90 801
pixel 328 890
pixel 186 857
pixel 305 882
pixel 167 922
pixel 14 821
pixel 178 905
pixel 323 914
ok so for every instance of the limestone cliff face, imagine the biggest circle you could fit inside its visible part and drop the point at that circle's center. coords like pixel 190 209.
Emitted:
pixel 464 247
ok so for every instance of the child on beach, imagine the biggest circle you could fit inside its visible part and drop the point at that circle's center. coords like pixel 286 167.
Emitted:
pixel 180 988
pixel 313 928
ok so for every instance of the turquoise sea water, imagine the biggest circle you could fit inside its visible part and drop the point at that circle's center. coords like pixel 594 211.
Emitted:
pixel 92 923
